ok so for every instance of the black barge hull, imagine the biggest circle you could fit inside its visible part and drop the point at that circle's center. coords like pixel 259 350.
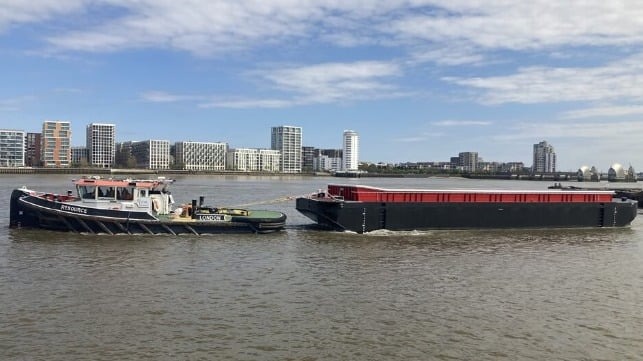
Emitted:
pixel 363 217
pixel 34 212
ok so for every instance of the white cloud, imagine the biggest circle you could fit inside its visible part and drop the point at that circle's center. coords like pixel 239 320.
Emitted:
pixel 321 84
pixel 460 123
pixel 412 139
pixel 419 138
pixel 526 25
pixel 312 84
pixel 67 90
pixel 448 55
pixel 208 27
pixel 164 97
pixel 444 32
pixel 598 143
pixel 602 131
pixel 199 27
pixel 621 79
pixel 16 103
pixel 20 11
pixel 249 103
pixel 604 112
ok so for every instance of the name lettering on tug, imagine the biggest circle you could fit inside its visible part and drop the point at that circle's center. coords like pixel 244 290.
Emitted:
pixel 64 207
pixel 217 217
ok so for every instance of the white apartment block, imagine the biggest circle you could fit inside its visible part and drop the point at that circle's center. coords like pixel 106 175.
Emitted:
pixel 270 160
pixel 324 163
pixel 468 161
pixel 151 154
pixel 201 155
pixel 243 159
pixel 350 161
pixel 12 148
pixel 254 160
pixel 56 144
pixel 544 158
pixel 101 147
pixel 287 140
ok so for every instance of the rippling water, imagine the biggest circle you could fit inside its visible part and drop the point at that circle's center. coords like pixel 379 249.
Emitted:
pixel 304 294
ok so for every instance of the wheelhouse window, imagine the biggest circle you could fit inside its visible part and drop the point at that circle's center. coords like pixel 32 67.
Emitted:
pixel 87 192
pixel 106 192
pixel 125 193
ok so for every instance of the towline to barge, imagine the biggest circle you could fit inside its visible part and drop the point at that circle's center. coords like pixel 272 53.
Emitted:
pixel 360 208
pixel 131 206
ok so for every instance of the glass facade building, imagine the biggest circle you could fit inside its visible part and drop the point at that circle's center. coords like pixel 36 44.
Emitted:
pixel 151 154
pixel 287 140
pixel 12 148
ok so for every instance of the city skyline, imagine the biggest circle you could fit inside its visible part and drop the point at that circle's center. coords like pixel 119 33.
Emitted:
pixel 350 139
pixel 418 80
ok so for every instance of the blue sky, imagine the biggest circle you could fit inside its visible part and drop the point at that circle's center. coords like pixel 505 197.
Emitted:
pixel 418 80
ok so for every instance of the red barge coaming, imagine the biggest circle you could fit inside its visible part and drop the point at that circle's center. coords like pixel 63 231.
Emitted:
pixel 360 208
pixel 372 194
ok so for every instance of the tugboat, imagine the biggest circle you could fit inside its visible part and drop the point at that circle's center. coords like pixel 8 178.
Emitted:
pixel 360 209
pixel 127 206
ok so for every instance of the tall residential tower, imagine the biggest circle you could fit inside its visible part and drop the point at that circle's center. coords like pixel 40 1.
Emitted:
pixel 468 161
pixel 287 140
pixel 101 144
pixel 544 158
pixel 56 144
pixel 350 147
pixel 33 151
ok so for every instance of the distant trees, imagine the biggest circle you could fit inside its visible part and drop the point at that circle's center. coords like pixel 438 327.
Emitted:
pixel 381 168
pixel 82 163
pixel 177 166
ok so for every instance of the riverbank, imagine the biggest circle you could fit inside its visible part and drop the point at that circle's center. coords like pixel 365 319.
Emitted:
pixel 119 171
pixel 162 172
pixel 555 177
pixel 128 171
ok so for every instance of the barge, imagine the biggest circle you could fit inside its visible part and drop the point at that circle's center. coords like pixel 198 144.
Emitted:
pixel 361 209
pixel 127 206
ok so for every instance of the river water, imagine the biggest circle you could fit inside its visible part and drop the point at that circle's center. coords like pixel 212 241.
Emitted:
pixel 305 294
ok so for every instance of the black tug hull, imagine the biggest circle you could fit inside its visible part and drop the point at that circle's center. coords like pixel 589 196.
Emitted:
pixel 33 212
pixel 363 217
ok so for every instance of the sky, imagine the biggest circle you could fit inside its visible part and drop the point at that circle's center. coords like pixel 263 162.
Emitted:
pixel 418 80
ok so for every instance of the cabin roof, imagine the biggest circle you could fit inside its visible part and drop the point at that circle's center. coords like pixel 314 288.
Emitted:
pixel 137 183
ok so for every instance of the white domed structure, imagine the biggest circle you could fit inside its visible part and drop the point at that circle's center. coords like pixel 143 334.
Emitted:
pixel 587 174
pixel 616 173
pixel 584 174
